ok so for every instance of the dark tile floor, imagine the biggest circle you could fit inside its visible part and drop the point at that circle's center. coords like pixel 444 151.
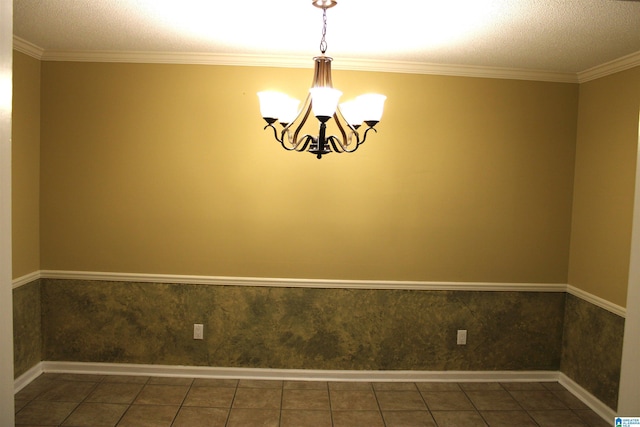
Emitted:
pixel 133 401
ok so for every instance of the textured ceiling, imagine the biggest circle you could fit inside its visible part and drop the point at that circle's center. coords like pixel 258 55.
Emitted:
pixel 564 36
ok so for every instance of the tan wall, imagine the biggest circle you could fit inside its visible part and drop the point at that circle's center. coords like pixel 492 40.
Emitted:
pixel 26 165
pixel 606 149
pixel 166 169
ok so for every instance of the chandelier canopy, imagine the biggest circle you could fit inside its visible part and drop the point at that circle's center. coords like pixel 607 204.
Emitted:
pixel 322 100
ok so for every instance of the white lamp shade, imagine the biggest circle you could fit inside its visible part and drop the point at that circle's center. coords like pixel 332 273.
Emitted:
pixel 371 106
pixel 289 110
pixel 271 104
pixel 351 112
pixel 324 101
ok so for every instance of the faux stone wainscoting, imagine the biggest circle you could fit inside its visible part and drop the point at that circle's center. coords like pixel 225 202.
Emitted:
pixel 27 332
pixel 300 328
pixel 592 349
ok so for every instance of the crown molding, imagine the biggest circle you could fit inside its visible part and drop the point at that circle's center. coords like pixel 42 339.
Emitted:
pixel 453 70
pixel 346 64
pixel 402 67
pixel 28 48
pixel 188 58
pixel 196 58
pixel 611 67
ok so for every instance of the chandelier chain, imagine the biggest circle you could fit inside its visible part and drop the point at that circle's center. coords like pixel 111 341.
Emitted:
pixel 323 42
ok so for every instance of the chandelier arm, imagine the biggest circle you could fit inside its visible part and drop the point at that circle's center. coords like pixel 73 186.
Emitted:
pixel 343 148
pixel 305 140
pixel 284 144
pixel 345 141
pixel 364 136
pixel 275 133
pixel 367 131
pixel 288 142
pixel 337 148
pixel 294 141
pixel 301 145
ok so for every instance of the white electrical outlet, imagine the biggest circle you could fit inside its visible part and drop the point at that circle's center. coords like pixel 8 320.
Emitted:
pixel 198 331
pixel 462 337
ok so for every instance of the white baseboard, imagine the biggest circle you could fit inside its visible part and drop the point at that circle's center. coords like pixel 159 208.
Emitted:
pixel 25 379
pixel 297 374
pixel 587 398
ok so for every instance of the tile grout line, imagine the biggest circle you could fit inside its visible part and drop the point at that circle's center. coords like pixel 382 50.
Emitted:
pixel 330 405
pixel 82 401
pixel 426 405
pixel 30 400
pixel 281 403
pixel 574 410
pixel 554 393
pixel 378 403
pixel 95 386
pixel 523 408
pixel 233 399
pixel 133 401
pixel 474 405
pixel 175 417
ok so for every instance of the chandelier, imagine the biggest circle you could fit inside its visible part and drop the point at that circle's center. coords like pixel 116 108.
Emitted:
pixel 322 100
